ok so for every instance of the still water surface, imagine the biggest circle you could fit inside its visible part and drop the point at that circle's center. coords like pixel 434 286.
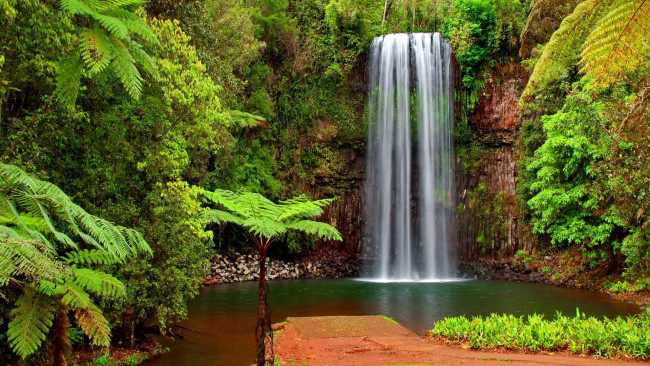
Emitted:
pixel 221 325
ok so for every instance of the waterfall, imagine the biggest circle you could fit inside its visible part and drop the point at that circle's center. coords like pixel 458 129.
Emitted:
pixel 410 217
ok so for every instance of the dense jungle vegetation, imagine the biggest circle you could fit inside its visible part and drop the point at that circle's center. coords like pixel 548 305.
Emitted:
pixel 116 114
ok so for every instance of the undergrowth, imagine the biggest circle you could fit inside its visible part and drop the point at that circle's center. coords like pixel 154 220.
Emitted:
pixel 611 338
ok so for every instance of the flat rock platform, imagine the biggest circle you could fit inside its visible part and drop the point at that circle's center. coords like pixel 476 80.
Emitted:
pixel 377 340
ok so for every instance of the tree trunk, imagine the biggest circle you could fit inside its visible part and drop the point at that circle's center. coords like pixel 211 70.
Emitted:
pixel 60 343
pixel 383 18
pixel 263 316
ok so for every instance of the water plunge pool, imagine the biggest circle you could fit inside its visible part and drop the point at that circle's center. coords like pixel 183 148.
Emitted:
pixel 221 325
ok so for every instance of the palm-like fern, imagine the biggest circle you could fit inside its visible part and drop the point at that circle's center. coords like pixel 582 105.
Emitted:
pixel 105 43
pixel 265 220
pixel 41 231
pixel 613 36
pixel 619 43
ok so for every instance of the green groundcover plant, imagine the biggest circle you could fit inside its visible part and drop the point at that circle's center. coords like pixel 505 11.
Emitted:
pixel 611 338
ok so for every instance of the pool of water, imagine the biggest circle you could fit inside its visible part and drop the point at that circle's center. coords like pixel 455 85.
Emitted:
pixel 221 325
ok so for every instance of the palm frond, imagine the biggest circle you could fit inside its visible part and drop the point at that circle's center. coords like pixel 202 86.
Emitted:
pixel 33 316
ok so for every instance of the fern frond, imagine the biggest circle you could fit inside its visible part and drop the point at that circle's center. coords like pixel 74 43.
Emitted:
pixel 264 228
pixel 321 229
pixel 134 24
pixel 113 25
pixel 33 316
pixel 76 7
pixel 68 80
pixel 25 258
pixel 107 5
pixel 102 234
pixel 8 208
pixel 95 50
pixel 218 217
pixel 562 50
pixel 91 256
pixel 142 58
pixel 94 325
pixel 124 67
pixel 74 296
pixel 102 284
pixel 618 44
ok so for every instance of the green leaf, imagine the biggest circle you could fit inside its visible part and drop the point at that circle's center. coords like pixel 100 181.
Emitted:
pixel 33 316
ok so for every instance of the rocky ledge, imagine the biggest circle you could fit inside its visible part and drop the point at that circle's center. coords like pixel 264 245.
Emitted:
pixel 245 267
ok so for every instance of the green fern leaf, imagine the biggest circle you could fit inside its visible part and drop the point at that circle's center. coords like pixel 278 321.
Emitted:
pixel 113 25
pixel 95 50
pixel 218 217
pixel 107 5
pixel 68 79
pixel 124 67
pixel 320 229
pixel 91 256
pixel 33 316
pixel 134 24
pixel 74 296
pixel 76 7
pixel 102 284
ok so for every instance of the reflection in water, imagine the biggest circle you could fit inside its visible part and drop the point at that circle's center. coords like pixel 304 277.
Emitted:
pixel 222 318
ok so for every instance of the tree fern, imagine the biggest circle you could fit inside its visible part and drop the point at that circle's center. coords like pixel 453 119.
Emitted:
pixel 41 230
pixel 607 38
pixel 265 220
pixel 561 52
pixel 105 43
pixel 33 316
pixel 618 44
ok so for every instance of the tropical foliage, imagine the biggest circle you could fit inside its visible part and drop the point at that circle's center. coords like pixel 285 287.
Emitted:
pixel 611 338
pixel 266 221
pixel 42 235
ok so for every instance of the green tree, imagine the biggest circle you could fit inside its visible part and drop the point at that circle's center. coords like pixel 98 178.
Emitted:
pixel 265 221
pixel 42 235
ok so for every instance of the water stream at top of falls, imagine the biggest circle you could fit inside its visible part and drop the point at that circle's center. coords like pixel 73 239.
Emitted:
pixel 410 217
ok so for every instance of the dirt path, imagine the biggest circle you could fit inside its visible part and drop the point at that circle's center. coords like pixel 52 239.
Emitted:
pixel 375 340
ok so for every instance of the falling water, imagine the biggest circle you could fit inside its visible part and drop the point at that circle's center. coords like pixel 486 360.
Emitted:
pixel 410 217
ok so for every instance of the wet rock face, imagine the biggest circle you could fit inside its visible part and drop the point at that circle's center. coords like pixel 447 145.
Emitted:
pixel 497 113
pixel 489 219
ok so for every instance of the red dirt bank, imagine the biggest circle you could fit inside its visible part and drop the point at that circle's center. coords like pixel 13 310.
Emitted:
pixel 375 340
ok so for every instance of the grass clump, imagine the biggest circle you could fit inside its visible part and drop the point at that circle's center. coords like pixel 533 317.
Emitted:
pixel 611 338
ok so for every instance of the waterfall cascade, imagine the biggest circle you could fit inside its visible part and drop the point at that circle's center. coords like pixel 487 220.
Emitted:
pixel 410 198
